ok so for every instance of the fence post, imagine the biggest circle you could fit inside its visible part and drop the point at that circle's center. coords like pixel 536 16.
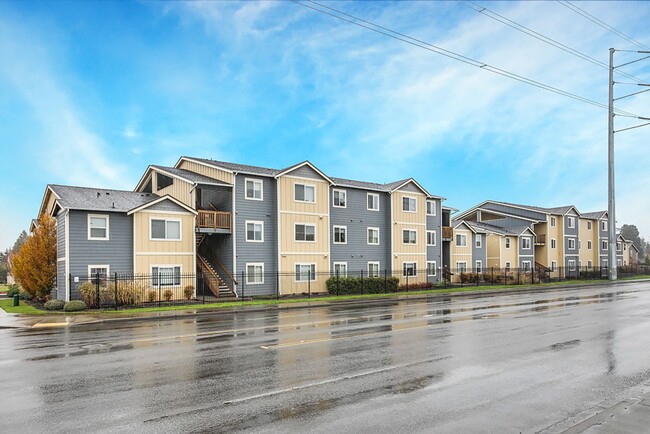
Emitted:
pixel 203 286
pixel 159 290
pixel 337 282
pixel 277 284
pixel 69 287
pixel 309 283
pixel 385 280
pixel 243 285
pixel 361 282
pixel 492 277
pixel 116 290
pixel 97 288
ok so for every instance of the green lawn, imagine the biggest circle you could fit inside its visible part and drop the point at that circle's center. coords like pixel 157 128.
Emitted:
pixel 7 304
pixel 3 288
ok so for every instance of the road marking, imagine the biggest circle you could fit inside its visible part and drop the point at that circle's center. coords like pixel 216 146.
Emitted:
pixel 41 325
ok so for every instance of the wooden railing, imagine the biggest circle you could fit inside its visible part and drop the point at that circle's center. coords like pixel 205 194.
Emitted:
pixel 447 232
pixel 540 239
pixel 214 220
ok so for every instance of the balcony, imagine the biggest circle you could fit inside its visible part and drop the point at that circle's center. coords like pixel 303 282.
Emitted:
pixel 540 240
pixel 214 221
pixel 447 233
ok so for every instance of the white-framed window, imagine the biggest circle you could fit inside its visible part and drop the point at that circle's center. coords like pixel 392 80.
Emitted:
pixel 478 266
pixel 102 270
pixel 431 208
pixel 254 273
pixel 553 265
pixel 340 234
pixel 525 243
pixel 571 243
pixel 571 222
pixel 254 189
pixel 619 247
pixel 165 229
pixel 553 243
pixel 507 242
pixel 409 204
pixel 165 275
pixel 98 227
pixel 305 272
pixel 373 269
pixel 508 267
pixel 589 264
pixel 605 262
pixel 431 238
pixel 254 232
pixel 572 264
pixel 525 265
pixel 588 245
pixel 461 240
pixel 339 198
pixel 409 236
pixel 431 268
pixel 373 202
pixel 409 269
pixel 478 242
pixel 341 269
pixel 603 225
pixel 304 232
pixel 373 236
pixel 461 267
pixel 588 225
pixel 603 244
pixel 553 221
pixel 304 193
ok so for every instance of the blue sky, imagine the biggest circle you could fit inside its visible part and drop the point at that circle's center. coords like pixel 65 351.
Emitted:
pixel 93 92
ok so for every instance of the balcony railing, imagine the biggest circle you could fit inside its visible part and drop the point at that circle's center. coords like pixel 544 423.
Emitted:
pixel 540 240
pixel 447 232
pixel 214 220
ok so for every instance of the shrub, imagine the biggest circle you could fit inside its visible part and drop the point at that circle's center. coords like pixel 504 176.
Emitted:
pixel 416 286
pixel 54 304
pixel 74 306
pixel 188 292
pixel 464 277
pixel 168 294
pixel 357 285
pixel 88 293
pixel 24 295
pixel 13 290
pixel 151 296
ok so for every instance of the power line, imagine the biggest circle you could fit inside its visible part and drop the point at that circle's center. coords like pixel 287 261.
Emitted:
pixel 601 23
pixel 335 13
pixel 521 28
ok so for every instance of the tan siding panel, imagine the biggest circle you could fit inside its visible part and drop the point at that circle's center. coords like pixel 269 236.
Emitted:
pixel 211 172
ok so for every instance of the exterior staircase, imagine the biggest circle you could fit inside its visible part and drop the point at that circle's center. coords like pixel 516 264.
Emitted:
pixel 217 285
pixel 199 237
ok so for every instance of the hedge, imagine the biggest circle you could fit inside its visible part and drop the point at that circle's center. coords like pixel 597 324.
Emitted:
pixel 358 285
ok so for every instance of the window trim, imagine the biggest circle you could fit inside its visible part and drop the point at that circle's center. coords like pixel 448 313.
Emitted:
pixel 368 268
pixel 415 269
pixel 370 228
pixel 553 243
pixel 91 275
pixel 571 222
pixel 526 243
pixel 603 225
pixel 173 266
pixel 588 225
pixel 604 245
pixel 570 241
pixel 296 274
pixel 105 216
pixel 334 228
pixel 433 203
pixel 464 267
pixel 376 196
pixel 571 264
pixel 462 236
pixel 305 240
pixel 435 238
pixel 553 222
pixel 478 242
pixel 553 265
pixel 435 269
pixel 339 190
pixel 254 222
pixel 254 264
pixel 254 180
pixel 166 219
pixel 507 243
pixel 334 264
pixel 415 202
pixel 478 265
pixel 589 245
pixel 508 266
pixel 304 185
pixel 415 242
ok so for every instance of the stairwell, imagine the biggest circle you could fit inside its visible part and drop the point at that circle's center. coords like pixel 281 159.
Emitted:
pixel 213 280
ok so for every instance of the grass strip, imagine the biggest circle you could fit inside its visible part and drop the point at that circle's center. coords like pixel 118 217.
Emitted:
pixel 7 305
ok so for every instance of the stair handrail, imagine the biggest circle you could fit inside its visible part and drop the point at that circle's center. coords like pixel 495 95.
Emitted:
pixel 234 283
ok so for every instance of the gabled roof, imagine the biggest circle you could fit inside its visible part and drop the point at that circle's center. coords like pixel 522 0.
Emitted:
pixel 189 176
pixel 299 165
pixel 596 215
pixel 99 199
pixel 457 224
pixel 234 167
pixel 162 199
pixel 561 210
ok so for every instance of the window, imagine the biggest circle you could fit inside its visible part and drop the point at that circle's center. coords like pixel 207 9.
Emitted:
pixel 525 243
pixel 553 265
pixel 304 232
pixel 553 243
pixel 431 238
pixel 95 270
pixel 588 245
pixel 431 207
pixel 254 189
pixel 603 244
pixel 572 243
pixel 163 181
pixel 373 269
pixel 478 266
pixel 255 232
pixel 97 227
pixel 409 269
pixel 589 225
pixel 508 267
pixel 572 264
pixel 304 193
pixel 525 265
pixel 255 273
pixel 618 246
pixel 163 229
pixel 373 236
pixel 340 234
pixel 589 264
pixel 409 204
pixel 431 268
pixel 479 241
pixel 166 275
pixel 461 267
pixel 571 222
pixel 305 272
pixel 409 236
pixel 603 226
pixel 373 202
pixel 461 240
pixel 341 269
pixel 552 221
pixel 507 243
pixel 339 197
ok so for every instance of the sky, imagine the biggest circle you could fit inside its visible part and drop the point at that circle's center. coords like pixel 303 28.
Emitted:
pixel 91 93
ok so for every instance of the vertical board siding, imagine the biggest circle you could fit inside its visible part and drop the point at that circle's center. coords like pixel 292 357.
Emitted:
pixel 209 171
pixel 143 243
pixel 434 223
pixel 413 221
pixel 181 190
pixel 531 214
pixel 493 245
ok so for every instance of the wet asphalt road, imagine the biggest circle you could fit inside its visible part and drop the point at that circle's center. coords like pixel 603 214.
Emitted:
pixel 510 363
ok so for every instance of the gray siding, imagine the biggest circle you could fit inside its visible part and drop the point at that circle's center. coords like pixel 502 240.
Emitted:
pixel 220 197
pixel 527 254
pixel 61 281
pixel 479 253
pixel 509 222
pixel 267 251
pixel 411 188
pixel 117 251
pixel 537 215
pixel 356 216
pixel 61 278
pixel 571 233
pixel 305 172
pixel 434 253
pixel 167 205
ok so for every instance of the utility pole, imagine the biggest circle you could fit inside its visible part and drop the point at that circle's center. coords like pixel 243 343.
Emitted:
pixel 611 202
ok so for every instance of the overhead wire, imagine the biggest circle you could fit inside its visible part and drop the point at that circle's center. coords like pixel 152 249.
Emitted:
pixel 360 22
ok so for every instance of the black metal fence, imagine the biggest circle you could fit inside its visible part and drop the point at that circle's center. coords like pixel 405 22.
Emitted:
pixel 170 289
